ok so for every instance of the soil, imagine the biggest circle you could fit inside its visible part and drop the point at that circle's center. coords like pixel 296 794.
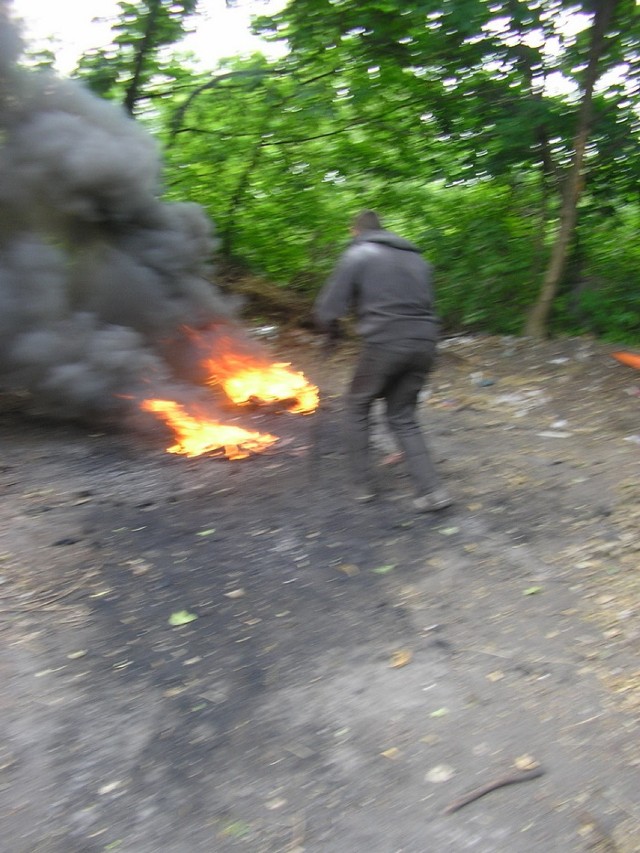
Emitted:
pixel 352 670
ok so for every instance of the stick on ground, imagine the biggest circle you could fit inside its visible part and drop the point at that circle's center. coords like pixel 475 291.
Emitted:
pixel 511 779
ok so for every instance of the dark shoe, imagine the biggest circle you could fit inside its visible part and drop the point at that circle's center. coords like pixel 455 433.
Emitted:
pixel 433 501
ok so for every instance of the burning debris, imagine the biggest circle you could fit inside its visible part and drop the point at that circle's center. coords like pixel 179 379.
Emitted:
pixel 196 436
pixel 105 297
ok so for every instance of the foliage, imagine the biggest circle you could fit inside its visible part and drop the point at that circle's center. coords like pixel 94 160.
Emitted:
pixel 134 61
pixel 438 113
pixel 607 302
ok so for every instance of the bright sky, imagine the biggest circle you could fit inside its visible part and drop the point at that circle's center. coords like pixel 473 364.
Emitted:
pixel 76 26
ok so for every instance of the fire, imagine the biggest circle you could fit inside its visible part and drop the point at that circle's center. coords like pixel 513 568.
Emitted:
pixel 268 383
pixel 197 436
pixel 246 376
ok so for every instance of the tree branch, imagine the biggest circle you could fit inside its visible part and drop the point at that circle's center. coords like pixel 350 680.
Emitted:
pixel 133 89
pixel 258 73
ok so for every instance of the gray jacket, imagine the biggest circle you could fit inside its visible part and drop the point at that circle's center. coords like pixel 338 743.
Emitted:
pixel 384 279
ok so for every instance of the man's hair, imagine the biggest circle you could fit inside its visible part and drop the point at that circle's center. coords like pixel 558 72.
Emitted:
pixel 368 220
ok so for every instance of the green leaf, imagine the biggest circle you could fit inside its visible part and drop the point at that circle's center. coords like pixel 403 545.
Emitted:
pixel 181 617
pixel 384 570
pixel 441 712
pixel 237 829
pixel 532 590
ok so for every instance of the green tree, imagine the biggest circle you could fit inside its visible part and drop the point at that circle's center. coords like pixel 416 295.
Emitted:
pixel 440 114
pixel 604 16
pixel 483 69
pixel 132 63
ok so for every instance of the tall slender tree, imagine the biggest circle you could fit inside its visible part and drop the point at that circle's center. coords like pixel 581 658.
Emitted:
pixel 603 17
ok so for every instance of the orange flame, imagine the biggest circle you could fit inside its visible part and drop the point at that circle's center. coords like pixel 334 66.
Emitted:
pixel 244 373
pixel 246 376
pixel 197 436
pixel 270 383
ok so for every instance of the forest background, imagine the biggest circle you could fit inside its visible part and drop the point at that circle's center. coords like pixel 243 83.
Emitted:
pixel 500 135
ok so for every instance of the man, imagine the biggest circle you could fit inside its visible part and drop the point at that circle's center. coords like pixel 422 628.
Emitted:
pixel 385 281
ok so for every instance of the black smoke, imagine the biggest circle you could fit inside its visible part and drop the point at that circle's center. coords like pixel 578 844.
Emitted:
pixel 97 274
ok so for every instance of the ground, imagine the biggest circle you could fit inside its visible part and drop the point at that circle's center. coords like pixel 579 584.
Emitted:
pixel 353 670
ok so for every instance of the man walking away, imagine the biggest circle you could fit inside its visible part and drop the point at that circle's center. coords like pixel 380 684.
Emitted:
pixel 384 280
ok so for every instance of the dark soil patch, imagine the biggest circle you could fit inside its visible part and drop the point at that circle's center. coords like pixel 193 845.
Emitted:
pixel 352 670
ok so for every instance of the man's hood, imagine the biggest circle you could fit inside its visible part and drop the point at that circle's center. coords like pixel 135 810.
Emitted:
pixel 387 238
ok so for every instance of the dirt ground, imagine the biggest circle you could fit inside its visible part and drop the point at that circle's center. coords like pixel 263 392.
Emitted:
pixel 352 671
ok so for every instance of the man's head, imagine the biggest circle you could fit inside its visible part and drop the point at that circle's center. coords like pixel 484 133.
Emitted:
pixel 368 220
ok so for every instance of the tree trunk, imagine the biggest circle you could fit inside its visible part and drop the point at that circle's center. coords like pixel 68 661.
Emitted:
pixel 536 325
pixel 236 200
pixel 146 45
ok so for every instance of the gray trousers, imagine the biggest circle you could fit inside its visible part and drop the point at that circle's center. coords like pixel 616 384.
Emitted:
pixel 397 377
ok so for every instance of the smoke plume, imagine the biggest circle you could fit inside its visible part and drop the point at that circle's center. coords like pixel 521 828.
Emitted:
pixel 97 275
